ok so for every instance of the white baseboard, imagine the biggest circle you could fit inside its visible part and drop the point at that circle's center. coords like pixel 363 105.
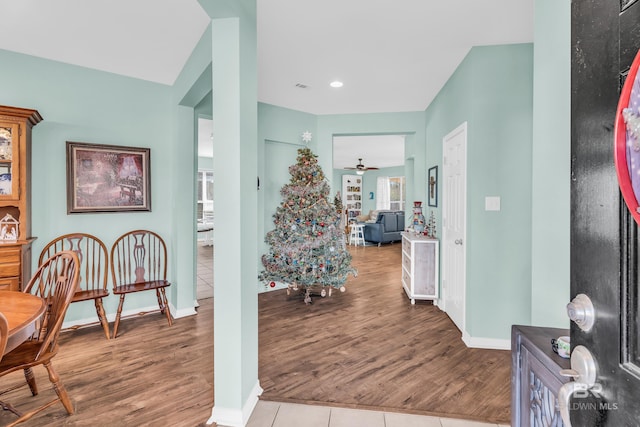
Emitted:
pixel 264 286
pixel 185 312
pixel 487 343
pixel 229 417
pixel 111 317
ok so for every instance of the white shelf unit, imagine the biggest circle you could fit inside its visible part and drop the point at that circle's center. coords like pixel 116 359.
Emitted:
pixel 351 197
pixel 420 261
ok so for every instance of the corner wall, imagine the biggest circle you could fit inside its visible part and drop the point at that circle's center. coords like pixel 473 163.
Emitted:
pixel 492 91
pixel 84 105
pixel 551 159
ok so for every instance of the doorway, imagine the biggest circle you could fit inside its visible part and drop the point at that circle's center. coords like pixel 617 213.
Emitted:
pixel 204 210
pixel 454 161
pixel 378 161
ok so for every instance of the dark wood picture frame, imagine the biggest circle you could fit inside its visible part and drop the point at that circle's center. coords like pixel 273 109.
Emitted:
pixel 107 178
pixel 432 187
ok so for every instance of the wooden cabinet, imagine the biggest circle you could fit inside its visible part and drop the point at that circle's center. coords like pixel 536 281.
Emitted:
pixel 535 376
pixel 351 196
pixel 420 261
pixel 15 195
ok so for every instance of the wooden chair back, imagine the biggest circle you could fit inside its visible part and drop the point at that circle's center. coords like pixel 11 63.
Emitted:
pixel 92 254
pixel 55 280
pixel 4 334
pixel 139 263
pixel 138 256
pixel 94 269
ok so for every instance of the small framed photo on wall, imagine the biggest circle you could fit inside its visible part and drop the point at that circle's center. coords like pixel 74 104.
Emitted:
pixel 432 187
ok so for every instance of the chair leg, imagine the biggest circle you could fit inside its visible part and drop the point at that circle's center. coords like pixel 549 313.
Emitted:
pixel 31 380
pixel 117 322
pixel 102 316
pixel 160 301
pixel 162 296
pixel 9 407
pixel 59 388
pixel 61 393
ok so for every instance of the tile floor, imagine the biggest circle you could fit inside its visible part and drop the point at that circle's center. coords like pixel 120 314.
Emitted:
pixel 204 271
pixel 275 414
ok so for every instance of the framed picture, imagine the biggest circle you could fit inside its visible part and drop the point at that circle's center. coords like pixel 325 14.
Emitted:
pixel 432 187
pixel 107 178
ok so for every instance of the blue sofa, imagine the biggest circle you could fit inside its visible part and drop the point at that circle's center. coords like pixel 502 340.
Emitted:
pixel 387 228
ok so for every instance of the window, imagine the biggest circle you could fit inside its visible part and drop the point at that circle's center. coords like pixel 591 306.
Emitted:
pixel 396 193
pixel 205 195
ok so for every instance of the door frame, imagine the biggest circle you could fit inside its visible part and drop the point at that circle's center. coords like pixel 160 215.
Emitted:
pixel 462 128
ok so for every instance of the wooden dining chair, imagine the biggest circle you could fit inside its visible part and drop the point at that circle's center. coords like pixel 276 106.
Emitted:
pixel 4 334
pixel 55 281
pixel 139 263
pixel 94 268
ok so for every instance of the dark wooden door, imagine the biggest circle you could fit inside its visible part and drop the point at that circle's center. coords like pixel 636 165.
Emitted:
pixel 604 237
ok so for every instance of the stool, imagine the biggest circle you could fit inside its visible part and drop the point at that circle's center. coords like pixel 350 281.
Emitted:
pixel 356 236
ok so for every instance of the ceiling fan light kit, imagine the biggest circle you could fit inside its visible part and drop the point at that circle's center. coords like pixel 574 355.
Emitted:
pixel 361 168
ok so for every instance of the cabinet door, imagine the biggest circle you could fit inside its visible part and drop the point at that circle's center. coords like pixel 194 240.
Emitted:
pixel 539 398
pixel 424 262
pixel 9 161
pixel 9 283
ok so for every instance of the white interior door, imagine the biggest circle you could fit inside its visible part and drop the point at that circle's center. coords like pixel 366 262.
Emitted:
pixel 454 209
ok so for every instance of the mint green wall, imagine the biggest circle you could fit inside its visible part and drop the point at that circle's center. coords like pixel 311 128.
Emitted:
pixel 80 104
pixel 193 99
pixel 369 183
pixel 279 137
pixel 517 265
pixel 205 163
pixel 551 163
pixel 492 91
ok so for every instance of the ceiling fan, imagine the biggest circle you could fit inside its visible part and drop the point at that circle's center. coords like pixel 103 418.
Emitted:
pixel 360 168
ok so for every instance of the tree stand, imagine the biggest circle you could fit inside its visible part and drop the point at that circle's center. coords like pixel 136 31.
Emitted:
pixel 311 290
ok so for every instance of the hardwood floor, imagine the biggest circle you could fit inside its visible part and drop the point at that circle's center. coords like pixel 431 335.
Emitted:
pixel 370 348
pixel 152 374
pixel 365 348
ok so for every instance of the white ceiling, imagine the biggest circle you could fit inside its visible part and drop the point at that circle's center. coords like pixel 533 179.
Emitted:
pixel 391 55
pixel 146 39
pixel 380 151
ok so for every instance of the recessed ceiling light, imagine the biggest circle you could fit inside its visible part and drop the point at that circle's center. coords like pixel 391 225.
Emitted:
pixel 336 84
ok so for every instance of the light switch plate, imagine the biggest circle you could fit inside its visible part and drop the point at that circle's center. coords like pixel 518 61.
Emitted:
pixel 492 203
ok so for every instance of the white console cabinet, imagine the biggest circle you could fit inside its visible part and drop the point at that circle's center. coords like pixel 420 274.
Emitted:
pixel 420 261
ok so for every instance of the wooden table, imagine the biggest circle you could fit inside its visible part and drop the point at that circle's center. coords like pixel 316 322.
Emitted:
pixel 22 311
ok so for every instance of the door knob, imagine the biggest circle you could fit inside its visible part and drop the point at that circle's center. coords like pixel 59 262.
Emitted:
pixel 580 310
pixel 583 372
pixel 458 241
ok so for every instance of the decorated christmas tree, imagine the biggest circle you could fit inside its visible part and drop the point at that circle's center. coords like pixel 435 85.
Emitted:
pixel 307 246
pixel 337 202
